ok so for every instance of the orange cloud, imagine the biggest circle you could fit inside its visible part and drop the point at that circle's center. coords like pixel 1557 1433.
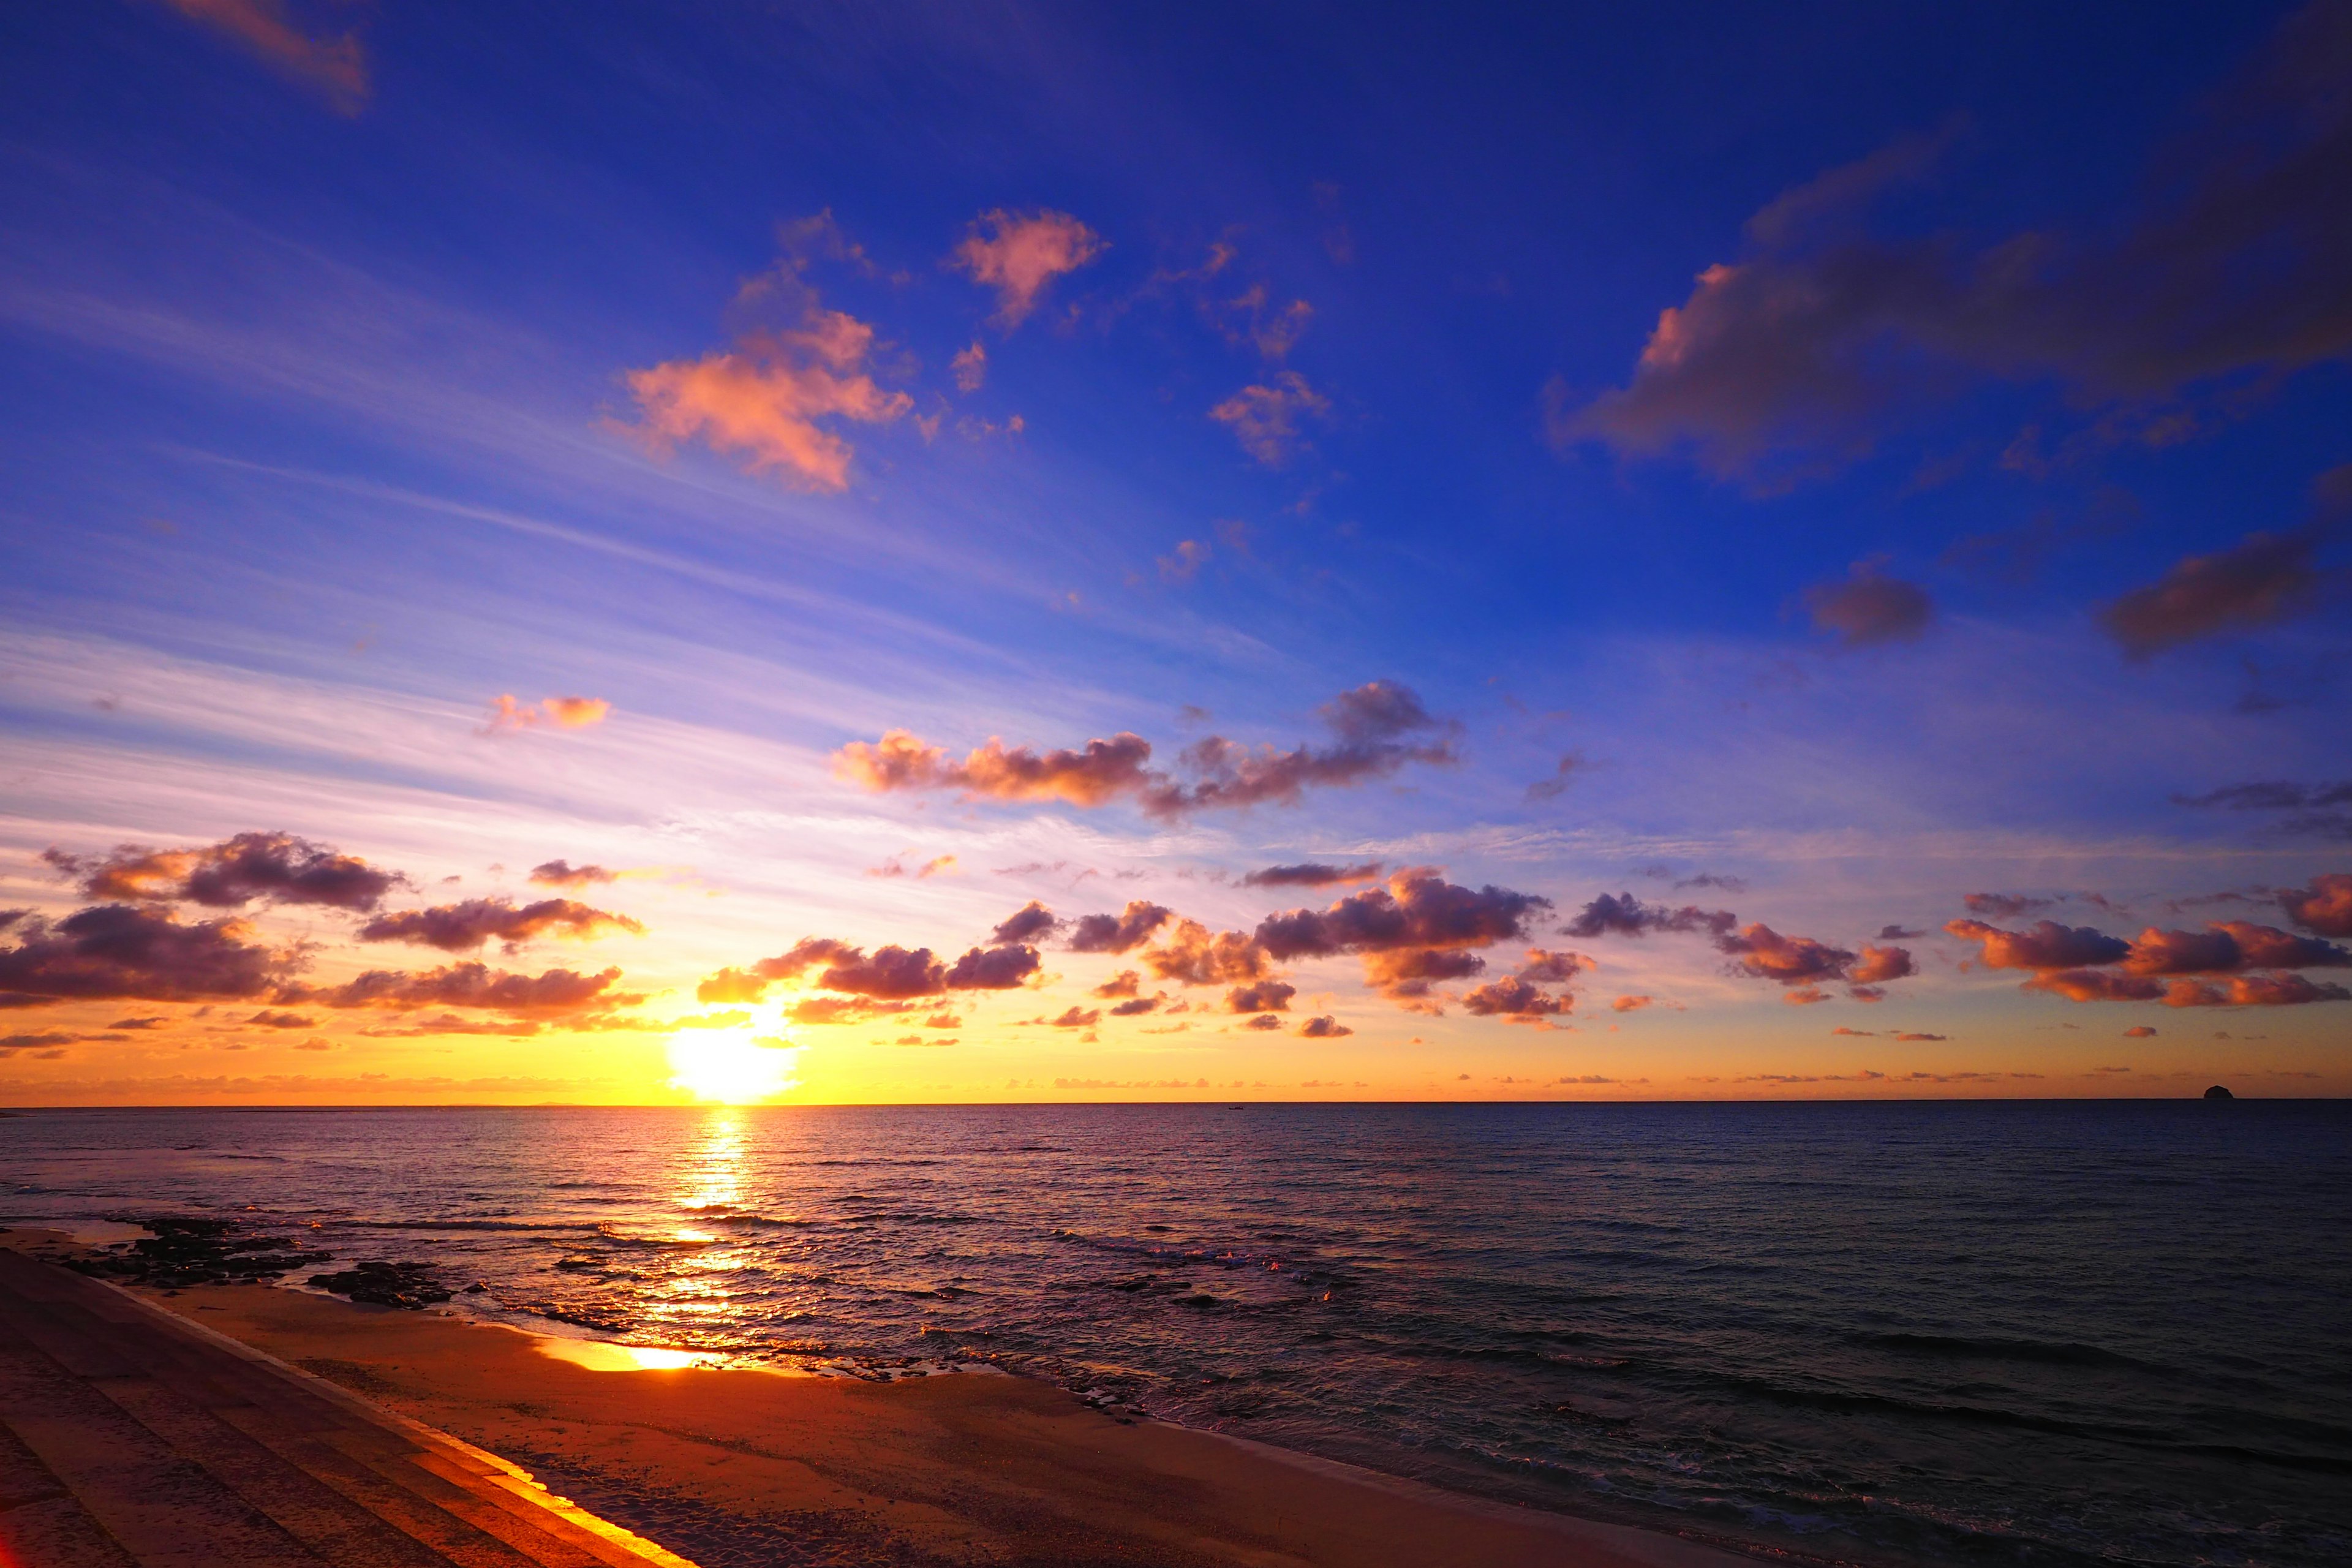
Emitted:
pixel 1021 254
pixel 762 399
pixel 1634 1003
pixel 455 928
pixel 2325 907
pixel 337 65
pixel 1264 418
pixel 563 712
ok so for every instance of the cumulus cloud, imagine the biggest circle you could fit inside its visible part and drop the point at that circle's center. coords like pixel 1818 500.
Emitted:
pixel 1877 965
pixel 128 953
pixel 337 65
pixel 561 712
pixel 1124 983
pixel 1018 254
pixel 1622 915
pixel 1025 924
pixel 1788 360
pixel 1521 995
pixel 2263 579
pixel 1325 1027
pixel 2045 945
pixel 1372 725
pixel 761 400
pixel 2326 906
pixel 1191 955
pixel 1789 960
pixel 1121 932
pixel 2237 991
pixel 1417 908
pixel 563 874
pixel 278 866
pixel 1409 975
pixel 459 927
pixel 1313 874
pixel 555 991
pixel 2229 947
pixel 1263 996
pixel 1867 606
pixel 993 969
pixel 1266 418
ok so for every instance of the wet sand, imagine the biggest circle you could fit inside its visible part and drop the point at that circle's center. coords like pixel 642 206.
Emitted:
pixel 728 1465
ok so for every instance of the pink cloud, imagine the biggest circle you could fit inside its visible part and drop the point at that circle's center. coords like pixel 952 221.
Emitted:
pixel 337 65
pixel 1266 418
pixel 563 712
pixel 1021 253
pixel 1869 606
pixel 970 368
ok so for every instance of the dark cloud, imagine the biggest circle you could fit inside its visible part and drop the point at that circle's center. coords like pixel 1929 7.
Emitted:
pixel 269 1020
pixel 1371 723
pixel 460 927
pixel 2004 906
pixel 1325 1027
pixel 1868 607
pixel 1788 361
pixel 2045 944
pixel 125 952
pixel 1622 915
pixel 2325 907
pixel 1135 1008
pixel 2237 990
pixel 10 916
pixel 2230 948
pixel 1264 996
pixel 557 991
pixel 1563 775
pixel 233 873
pixel 1709 879
pixel 1407 975
pixel 2271 796
pixel 1789 960
pixel 139 1023
pixel 1898 933
pixel 1027 925
pixel 993 969
pixel 1417 908
pixel 1120 933
pixel 1877 965
pixel 1313 874
pixel 1266 1021
pixel 1513 997
pixel 563 874
pixel 2266 578
pixel 893 973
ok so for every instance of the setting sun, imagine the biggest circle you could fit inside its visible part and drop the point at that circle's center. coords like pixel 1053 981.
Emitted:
pixel 731 1067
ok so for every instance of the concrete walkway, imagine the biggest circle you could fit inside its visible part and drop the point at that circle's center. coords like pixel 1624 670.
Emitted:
pixel 129 1436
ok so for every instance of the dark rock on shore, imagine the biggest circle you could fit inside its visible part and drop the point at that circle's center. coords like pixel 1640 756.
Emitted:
pixel 193 1250
pixel 412 1286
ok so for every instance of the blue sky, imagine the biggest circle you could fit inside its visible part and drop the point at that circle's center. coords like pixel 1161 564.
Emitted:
pixel 369 362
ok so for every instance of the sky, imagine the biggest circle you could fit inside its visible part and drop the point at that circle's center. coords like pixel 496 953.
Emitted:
pixel 1008 552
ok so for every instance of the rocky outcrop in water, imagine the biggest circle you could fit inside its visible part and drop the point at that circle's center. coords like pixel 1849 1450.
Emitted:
pixel 412 1286
pixel 191 1250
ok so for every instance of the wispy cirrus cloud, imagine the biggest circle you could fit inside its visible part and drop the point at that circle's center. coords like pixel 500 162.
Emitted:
pixel 556 713
pixel 337 65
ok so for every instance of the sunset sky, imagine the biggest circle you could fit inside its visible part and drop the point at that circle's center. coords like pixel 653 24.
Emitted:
pixel 962 552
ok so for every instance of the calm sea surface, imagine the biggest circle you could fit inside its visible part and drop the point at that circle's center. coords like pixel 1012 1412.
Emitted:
pixel 1987 1333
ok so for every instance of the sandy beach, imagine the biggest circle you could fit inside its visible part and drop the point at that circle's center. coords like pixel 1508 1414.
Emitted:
pixel 725 1466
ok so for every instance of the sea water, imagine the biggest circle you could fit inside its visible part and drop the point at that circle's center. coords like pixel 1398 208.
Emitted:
pixel 2047 1332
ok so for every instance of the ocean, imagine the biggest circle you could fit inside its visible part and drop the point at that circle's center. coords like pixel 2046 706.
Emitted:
pixel 2046 1332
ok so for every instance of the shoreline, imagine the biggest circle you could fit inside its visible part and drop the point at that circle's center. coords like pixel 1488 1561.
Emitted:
pixel 724 1464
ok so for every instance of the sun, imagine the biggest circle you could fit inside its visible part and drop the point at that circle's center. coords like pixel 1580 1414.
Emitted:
pixel 732 1067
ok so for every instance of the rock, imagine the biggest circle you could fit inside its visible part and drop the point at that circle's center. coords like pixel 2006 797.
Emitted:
pixel 2218 1092
pixel 409 1285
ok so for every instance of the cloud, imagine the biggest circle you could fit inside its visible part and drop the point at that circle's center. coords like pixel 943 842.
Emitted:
pixel 1191 955
pixel 1622 915
pixel 970 367
pixel 2263 579
pixel 2325 907
pixel 1266 1021
pixel 1554 787
pixel 268 1020
pixel 760 399
pixel 125 952
pixel 1858 1034
pixel 1788 360
pixel 2274 794
pixel 1709 879
pixel 555 991
pixel 1123 984
pixel 1029 922
pixel 1021 254
pixel 233 873
pixel 1120 933
pixel 2045 945
pixel 1877 965
pixel 456 927
pixel 1264 418
pixel 1631 1004
pixel 1410 974
pixel 1185 561
pixel 1923 1036
pixel 2229 947
pixel 1521 996
pixel 1313 874
pixel 1868 607
pixel 563 874
pixel 1370 722
pixel 338 65
pixel 1417 908
pixel 563 712
pixel 2237 991
pixel 1074 1018
pixel 1136 1006
pixel 1789 960
pixel 2140 1032
pixel 1261 996
pixel 993 969
pixel 2003 906
pixel 1324 1027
